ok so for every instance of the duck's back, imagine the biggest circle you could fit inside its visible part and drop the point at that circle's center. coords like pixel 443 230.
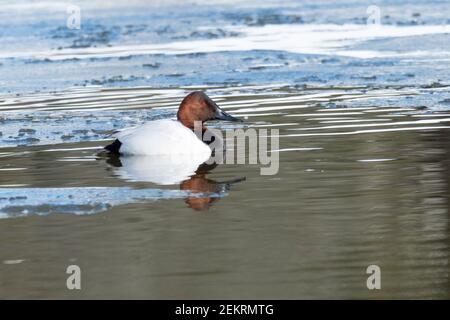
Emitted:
pixel 161 137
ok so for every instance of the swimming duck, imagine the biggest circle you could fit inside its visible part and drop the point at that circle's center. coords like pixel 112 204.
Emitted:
pixel 172 137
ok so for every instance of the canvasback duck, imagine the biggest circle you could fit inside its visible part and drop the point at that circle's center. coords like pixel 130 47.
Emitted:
pixel 172 137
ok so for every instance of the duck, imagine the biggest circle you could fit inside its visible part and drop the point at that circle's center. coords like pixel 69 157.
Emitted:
pixel 172 137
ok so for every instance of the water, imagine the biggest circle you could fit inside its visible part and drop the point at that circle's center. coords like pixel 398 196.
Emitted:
pixel 364 153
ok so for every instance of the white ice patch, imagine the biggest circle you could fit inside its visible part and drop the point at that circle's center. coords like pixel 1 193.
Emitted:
pixel 18 202
pixel 297 38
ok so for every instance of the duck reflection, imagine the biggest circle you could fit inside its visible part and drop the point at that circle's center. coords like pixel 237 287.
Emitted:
pixel 189 173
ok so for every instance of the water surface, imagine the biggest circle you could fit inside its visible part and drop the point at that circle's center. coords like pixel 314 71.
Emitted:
pixel 357 185
pixel 363 114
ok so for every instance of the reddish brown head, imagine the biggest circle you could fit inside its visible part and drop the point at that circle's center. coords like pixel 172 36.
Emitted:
pixel 197 106
pixel 196 184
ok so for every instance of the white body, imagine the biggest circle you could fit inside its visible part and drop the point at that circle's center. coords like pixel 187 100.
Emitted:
pixel 162 137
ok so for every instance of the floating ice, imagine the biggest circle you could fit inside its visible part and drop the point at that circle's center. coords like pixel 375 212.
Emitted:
pixel 19 202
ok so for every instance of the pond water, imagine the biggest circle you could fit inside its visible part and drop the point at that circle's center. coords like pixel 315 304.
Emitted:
pixel 364 153
pixel 356 186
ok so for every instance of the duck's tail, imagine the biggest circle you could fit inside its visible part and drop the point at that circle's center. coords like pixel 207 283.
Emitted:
pixel 114 147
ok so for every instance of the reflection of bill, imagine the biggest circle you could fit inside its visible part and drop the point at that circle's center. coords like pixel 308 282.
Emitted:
pixel 190 173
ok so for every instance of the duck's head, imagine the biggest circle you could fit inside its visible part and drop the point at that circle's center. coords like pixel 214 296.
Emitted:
pixel 197 106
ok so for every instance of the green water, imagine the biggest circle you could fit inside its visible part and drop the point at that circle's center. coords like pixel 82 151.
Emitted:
pixel 355 187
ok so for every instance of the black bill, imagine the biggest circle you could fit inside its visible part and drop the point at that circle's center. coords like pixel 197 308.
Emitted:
pixel 222 115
